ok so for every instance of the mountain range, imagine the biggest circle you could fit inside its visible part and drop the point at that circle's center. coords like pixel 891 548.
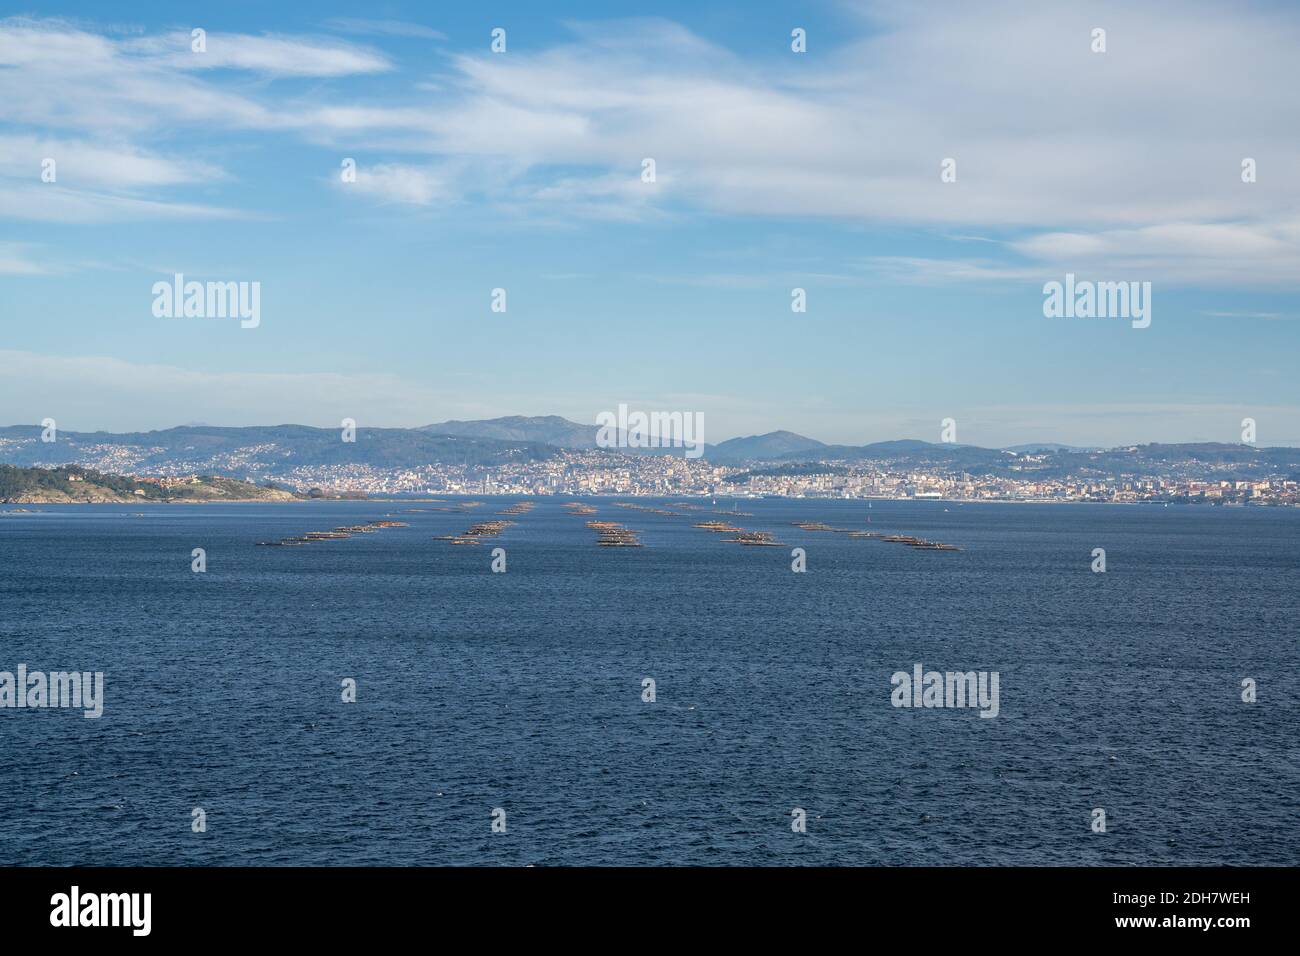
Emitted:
pixel 266 451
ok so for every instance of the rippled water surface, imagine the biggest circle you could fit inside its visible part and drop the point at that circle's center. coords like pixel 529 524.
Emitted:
pixel 523 690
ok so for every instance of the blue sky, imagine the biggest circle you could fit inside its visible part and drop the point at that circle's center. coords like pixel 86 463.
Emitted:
pixel 775 170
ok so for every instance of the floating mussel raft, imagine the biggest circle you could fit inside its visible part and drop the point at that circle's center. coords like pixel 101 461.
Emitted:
pixel 344 531
pixel 907 539
pixel 611 534
pixel 473 534
pixel 486 529
pixel 819 526
pixel 761 539
pixel 718 527
pixel 920 543
pixel 756 539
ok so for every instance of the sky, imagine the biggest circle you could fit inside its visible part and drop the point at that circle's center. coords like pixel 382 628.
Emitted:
pixel 774 170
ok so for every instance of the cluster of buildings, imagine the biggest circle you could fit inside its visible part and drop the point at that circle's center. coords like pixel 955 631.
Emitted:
pixel 874 481
pixel 601 473
pixel 170 482
pixel 577 472
pixel 570 473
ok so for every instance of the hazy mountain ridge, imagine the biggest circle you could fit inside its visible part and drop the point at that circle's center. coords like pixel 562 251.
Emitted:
pixel 546 429
pixel 1032 447
pixel 265 451
pixel 261 449
pixel 917 453
pixel 1209 460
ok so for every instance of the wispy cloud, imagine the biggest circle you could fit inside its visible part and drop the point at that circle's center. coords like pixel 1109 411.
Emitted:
pixel 51 203
pixel 931 271
pixel 1194 252
pixel 392 28
pixel 391 182
pixel 16 259
pixel 91 101
pixel 98 164
pixel 267 55
pixel 1127 161
pixel 1268 316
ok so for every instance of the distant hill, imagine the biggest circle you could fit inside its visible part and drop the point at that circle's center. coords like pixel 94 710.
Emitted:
pixel 546 429
pixel 1212 460
pixel 71 483
pixel 759 447
pixel 259 451
pixel 1033 448
pixel 551 430
pixel 1209 461
pixel 913 453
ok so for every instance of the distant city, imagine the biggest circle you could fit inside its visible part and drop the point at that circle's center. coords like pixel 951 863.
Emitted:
pixel 552 456
pixel 578 473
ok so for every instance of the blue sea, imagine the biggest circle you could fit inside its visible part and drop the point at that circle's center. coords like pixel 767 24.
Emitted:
pixel 523 690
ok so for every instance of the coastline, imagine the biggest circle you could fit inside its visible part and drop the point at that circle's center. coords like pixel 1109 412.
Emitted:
pixel 65 499
pixel 289 498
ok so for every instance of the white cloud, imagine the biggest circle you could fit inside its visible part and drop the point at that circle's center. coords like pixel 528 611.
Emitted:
pixel 45 202
pixel 1136 151
pixel 399 184
pixel 269 55
pixel 612 196
pixel 16 260
pixel 98 164
pixel 1128 160
pixel 95 98
pixel 1233 253
pixel 67 78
